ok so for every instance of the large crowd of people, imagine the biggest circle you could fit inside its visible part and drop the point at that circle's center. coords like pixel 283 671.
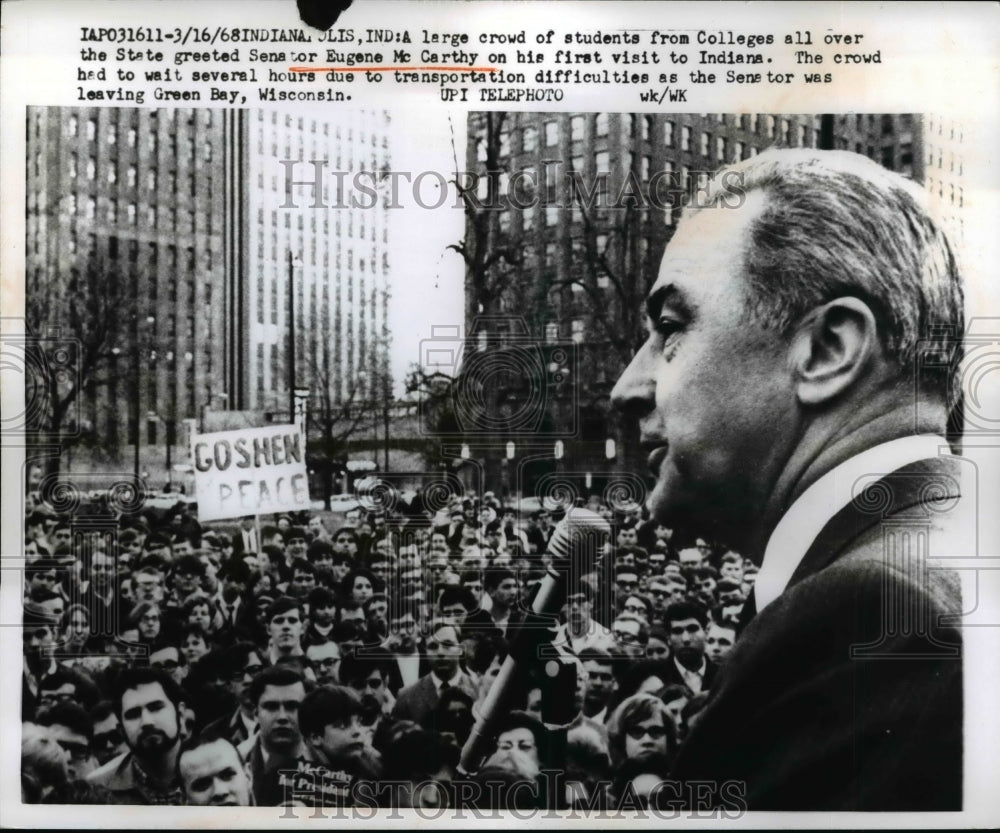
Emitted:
pixel 286 663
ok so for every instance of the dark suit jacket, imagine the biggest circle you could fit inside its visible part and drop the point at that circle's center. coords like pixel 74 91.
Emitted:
pixel 673 676
pixel 845 693
pixel 417 702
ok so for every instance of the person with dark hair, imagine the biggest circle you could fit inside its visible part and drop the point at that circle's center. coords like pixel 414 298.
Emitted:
pixel 601 683
pixel 73 730
pixel 420 766
pixel 323 610
pixel 277 694
pixel 359 585
pixel 452 717
pixel 284 628
pixel 444 651
pixel 325 658
pixel 149 705
pixel 303 578
pixel 193 643
pixel 108 740
pixel 166 656
pixel 240 663
pixel 408 663
pixel 807 341
pixel 320 555
pixel 685 625
pixel 500 585
pixel 520 739
pixel 336 725
pixel 631 635
pixel 39 635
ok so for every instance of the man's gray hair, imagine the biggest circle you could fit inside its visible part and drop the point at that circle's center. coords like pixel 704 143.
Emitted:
pixel 838 224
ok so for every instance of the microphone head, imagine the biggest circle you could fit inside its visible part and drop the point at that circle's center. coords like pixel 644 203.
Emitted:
pixel 578 540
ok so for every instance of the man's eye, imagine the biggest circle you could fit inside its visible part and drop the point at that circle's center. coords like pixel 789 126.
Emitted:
pixel 667 326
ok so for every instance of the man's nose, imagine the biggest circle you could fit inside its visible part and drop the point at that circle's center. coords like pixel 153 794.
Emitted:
pixel 222 790
pixel 633 393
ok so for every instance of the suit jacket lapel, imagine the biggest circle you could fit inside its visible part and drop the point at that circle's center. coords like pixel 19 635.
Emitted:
pixel 936 478
pixel 924 481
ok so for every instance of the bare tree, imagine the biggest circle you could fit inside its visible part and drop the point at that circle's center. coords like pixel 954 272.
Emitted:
pixel 75 321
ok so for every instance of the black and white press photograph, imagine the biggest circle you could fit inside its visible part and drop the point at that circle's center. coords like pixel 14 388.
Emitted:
pixel 490 461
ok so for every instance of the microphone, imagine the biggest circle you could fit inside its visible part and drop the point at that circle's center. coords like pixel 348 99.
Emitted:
pixel 575 548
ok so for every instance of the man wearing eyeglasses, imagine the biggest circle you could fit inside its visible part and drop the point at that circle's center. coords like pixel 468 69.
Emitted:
pixel 444 651
pixel 108 740
pixel 73 730
pixel 241 663
pixel 631 635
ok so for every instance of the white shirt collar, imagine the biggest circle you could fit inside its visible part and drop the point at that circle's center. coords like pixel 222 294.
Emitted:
pixel 810 512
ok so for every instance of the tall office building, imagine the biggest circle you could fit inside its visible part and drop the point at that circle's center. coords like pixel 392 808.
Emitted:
pixel 925 148
pixel 156 238
pixel 336 258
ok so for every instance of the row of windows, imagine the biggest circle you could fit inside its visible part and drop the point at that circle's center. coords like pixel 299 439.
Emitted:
pixel 788 130
pixel 313 125
pixel 131 176
pixel 132 136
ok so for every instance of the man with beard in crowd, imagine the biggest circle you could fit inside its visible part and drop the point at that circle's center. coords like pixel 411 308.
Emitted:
pixel 149 705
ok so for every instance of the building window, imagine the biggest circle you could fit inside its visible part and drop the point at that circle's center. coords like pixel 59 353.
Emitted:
pixel 529 139
pixel 551 332
pixel 72 166
pixel 601 124
pixel 686 138
pixel 576 128
pixel 551 215
pixel 769 126
pixel 602 162
pixel 91 168
pixel 72 127
pixel 576 332
pixel 551 133
pixel 112 211
pixel 91 129
pixel 668 134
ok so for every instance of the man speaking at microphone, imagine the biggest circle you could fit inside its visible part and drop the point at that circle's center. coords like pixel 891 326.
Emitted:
pixel 787 408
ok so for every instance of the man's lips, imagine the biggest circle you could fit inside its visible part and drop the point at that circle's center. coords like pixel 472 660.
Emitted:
pixel 657 452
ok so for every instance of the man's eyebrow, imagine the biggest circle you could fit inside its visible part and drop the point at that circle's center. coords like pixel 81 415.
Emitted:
pixel 666 294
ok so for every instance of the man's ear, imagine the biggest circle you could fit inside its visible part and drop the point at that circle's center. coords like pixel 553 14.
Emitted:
pixel 832 349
